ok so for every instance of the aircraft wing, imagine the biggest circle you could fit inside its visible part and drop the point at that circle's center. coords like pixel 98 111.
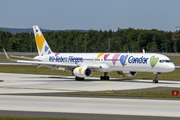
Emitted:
pixel 47 63
pixel 58 64
pixel 53 65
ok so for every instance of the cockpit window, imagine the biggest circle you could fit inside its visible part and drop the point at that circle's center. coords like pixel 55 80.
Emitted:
pixel 165 61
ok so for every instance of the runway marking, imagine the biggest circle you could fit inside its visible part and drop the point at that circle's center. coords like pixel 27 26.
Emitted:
pixel 46 89
pixel 105 83
pixel 90 113
pixel 4 80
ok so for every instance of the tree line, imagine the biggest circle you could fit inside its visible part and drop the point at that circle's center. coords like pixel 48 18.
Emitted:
pixel 121 40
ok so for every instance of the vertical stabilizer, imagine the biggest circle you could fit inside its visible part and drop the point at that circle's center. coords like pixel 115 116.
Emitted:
pixel 42 45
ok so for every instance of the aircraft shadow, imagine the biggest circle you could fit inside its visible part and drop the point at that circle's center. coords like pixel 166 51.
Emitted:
pixel 115 80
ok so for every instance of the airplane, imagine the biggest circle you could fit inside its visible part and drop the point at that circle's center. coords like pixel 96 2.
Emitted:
pixel 82 65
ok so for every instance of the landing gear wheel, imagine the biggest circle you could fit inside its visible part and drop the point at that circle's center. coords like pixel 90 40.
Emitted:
pixel 82 79
pixel 104 78
pixel 76 78
pixel 79 78
pixel 155 81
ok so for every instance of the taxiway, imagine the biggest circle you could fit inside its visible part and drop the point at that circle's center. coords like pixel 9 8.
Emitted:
pixel 20 95
pixel 30 83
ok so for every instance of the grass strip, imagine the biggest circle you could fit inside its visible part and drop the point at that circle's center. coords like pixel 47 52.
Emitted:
pixel 150 94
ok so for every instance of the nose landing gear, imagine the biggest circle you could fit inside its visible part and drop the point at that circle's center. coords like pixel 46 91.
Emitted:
pixel 155 80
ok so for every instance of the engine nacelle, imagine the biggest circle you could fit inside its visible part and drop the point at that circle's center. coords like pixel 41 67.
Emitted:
pixel 82 72
pixel 127 73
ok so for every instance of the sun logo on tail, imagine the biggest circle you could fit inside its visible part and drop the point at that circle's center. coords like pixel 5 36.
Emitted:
pixel 40 41
pixel 42 45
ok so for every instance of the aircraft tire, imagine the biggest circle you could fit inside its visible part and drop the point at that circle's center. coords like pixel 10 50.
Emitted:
pixel 104 78
pixel 76 78
pixel 82 79
pixel 79 78
pixel 155 81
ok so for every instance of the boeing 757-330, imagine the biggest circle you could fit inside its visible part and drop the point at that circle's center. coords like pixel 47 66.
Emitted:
pixel 82 65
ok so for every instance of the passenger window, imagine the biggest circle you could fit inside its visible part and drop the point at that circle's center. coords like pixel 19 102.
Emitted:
pixel 166 61
pixel 161 61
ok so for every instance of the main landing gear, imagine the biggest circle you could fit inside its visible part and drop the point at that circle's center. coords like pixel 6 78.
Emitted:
pixel 155 80
pixel 79 78
pixel 105 77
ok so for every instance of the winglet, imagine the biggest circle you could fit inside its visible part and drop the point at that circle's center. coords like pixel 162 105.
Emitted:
pixel 7 55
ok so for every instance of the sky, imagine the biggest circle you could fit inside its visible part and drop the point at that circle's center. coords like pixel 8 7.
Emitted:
pixel 91 14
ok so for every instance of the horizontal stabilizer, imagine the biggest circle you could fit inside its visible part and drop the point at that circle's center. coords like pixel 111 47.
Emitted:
pixel 23 57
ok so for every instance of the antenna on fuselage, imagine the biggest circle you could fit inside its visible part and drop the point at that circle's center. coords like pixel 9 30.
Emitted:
pixel 143 51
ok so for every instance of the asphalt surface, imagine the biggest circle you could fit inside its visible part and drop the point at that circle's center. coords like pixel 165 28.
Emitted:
pixel 82 116
pixel 48 96
pixel 88 108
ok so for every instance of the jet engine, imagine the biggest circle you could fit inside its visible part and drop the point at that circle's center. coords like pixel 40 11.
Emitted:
pixel 127 73
pixel 82 72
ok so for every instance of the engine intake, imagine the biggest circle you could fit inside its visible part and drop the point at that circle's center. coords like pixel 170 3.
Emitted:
pixel 82 72
pixel 127 73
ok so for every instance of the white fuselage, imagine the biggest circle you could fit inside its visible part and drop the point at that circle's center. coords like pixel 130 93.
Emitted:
pixel 139 62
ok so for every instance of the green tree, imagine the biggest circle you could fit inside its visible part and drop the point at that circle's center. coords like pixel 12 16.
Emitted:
pixel 175 38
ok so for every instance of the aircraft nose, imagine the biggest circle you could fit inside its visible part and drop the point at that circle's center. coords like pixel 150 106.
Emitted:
pixel 171 67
